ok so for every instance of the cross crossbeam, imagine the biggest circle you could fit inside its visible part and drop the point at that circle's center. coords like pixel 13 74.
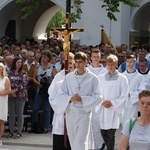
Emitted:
pixel 67 32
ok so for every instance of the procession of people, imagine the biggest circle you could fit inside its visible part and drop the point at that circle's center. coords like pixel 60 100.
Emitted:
pixel 103 88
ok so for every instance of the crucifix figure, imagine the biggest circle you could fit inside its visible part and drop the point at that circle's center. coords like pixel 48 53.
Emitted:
pixel 67 32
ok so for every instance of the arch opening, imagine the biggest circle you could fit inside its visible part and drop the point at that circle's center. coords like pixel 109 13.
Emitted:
pixel 140 24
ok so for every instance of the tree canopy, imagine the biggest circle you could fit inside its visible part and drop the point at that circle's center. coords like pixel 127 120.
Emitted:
pixel 57 21
pixel 111 6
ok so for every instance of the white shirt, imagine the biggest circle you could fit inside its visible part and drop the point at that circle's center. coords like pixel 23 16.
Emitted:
pixel 29 65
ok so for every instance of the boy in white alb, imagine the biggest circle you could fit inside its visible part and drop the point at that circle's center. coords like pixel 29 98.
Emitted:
pixel 95 67
pixel 114 88
pixel 79 94
pixel 136 85
pixel 95 139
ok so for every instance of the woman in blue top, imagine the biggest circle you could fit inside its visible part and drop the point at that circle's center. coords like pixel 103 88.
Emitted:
pixel 42 77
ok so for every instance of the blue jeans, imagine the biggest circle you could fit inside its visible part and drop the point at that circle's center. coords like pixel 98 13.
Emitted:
pixel 39 100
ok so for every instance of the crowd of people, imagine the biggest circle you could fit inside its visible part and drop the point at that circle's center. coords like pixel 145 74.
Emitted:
pixel 104 88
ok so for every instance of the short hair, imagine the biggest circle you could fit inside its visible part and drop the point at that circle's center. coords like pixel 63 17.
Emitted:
pixel 96 50
pixel 142 59
pixel 144 93
pixel 112 59
pixel 72 62
pixel 4 70
pixel 124 45
pixel 71 55
pixel 9 56
pixel 130 56
pixel 13 67
pixel 29 52
pixel 146 47
pixel 46 53
pixel 80 55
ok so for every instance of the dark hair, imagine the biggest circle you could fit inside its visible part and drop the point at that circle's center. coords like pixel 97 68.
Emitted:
pixel 130 56
pixel 13 67
pixel 124 45
pixel 4 37
pixel 146 47
pixel 143 60
pixel 80 55
pixel 134 48
pixel 101 44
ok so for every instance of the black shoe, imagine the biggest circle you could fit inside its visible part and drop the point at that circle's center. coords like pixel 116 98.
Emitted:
pixel 103 146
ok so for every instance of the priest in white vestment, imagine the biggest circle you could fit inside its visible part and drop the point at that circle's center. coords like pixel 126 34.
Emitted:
pixel 79 94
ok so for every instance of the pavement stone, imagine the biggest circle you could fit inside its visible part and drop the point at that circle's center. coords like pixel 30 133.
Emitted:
pixel 32 141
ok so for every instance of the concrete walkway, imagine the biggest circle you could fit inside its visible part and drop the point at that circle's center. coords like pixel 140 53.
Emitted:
pixel 31 141
pixel 28 141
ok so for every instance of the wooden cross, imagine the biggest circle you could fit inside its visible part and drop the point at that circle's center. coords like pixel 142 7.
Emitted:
pixel 67 32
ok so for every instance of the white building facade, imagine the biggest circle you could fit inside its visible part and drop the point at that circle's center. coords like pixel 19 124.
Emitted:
pixel 133 24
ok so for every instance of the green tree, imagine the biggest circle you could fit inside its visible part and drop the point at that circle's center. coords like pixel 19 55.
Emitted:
pixel 111 6
pixel 57 21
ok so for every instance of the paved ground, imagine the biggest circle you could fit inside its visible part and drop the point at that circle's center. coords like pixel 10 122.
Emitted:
pixel 28 141
pixel 31 141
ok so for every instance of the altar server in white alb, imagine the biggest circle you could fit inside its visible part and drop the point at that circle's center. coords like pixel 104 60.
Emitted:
pixel 115 89
pixel 95 139
pixel 96 67
pixel 136 85
pixel 80 93
pixel 58 118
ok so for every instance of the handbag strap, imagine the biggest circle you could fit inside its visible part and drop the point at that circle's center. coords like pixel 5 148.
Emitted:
pixel 132 123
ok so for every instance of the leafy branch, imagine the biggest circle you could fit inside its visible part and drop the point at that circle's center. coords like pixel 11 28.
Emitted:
pixel 29 6
pixel 111 6
pixel 76 14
